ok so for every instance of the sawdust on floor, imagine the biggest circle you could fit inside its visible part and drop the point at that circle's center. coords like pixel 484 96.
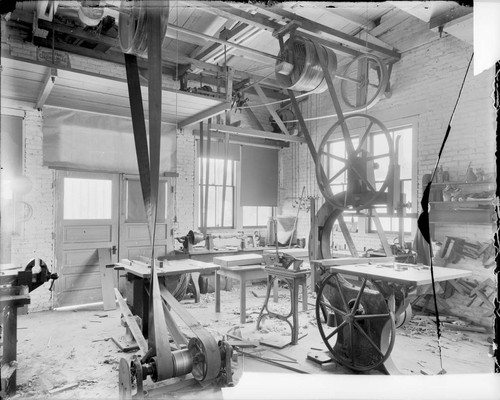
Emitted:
pixel 72 349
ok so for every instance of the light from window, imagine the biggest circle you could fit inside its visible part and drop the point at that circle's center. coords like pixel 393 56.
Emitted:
pixel 405 161
pixel 87 198
pixel 216 200
pixel 256 216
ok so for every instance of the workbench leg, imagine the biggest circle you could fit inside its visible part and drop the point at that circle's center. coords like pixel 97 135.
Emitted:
pixel 295 312
pixel 304 294
pixel 9 350
pixel 313 278
pixel 195 276
pixel 275 290
pixel 243 300
pixel 217 292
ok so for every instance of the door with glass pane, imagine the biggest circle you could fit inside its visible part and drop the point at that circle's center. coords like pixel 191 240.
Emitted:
pixel 134 235
pixel 87 208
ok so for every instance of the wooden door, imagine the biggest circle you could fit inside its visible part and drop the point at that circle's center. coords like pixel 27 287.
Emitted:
pixel 87 209
pixel 134 235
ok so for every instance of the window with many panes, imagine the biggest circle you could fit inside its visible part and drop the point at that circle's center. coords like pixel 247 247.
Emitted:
pixel 256 216
pixel 402 138
pixel 220 207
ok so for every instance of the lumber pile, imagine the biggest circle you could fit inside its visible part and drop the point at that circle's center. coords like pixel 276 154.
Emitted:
pixel 456 248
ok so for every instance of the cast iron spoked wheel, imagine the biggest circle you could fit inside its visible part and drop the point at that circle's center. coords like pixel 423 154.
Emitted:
pixel 354 323
pixel 367 81
pixel 132 26
pixel 358 163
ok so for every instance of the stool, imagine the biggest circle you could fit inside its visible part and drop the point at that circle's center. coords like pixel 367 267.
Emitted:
pixel 294 279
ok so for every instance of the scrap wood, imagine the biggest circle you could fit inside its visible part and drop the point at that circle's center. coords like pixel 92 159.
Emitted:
pixel 468 328
pixel 63 388
pixel 272 362
pixel 243 343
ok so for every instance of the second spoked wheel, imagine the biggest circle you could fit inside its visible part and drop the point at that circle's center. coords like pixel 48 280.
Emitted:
pixel 354 322
pixel 355 163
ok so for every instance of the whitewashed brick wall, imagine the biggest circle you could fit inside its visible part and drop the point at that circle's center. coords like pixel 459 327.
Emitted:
pixel 34 237
pixel 425 83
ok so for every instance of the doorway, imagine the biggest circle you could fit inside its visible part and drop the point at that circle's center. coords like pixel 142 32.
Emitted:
pixel 97 210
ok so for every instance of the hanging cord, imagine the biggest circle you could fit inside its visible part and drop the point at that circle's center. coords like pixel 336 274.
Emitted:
pixel 423 219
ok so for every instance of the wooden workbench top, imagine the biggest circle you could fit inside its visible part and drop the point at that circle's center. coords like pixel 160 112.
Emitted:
pixel 412 275
pixel 172 267
pixel 296 252
pixel 240 259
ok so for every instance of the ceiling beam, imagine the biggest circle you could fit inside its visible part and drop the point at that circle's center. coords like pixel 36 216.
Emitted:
pixel 248 140
pixel 218 109
pixel 78 33
pixel 48 84
pixel 256 133
pixel 231 10
pixel 224 9
pixel 346 39
pixel 224 34
pixel 224 42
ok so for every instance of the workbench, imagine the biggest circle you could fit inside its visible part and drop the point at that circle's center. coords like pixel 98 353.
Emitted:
pixel 244 268
pixel 358 304
pixel 243 274
pixel 138 275
pixel 9 303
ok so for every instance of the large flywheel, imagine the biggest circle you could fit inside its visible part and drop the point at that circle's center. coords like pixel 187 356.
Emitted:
pixel 367 171
pixel 354 322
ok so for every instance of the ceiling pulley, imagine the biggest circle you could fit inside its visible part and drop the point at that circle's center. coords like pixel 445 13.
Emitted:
pixel 132 25
pixel 298 67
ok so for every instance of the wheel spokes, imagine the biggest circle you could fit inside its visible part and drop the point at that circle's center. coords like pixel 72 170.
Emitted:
pixel 364 137
pixel 358 297
pixel 341 159
pixel 371 316
pixel 336 330
pixel 367 337
pixel 337 174
pixel 328 305
pixel 341 293
pixel 351 343
pixel 371 158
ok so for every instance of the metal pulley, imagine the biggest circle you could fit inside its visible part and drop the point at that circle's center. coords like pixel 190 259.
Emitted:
pixel 298 67
pixel 132 25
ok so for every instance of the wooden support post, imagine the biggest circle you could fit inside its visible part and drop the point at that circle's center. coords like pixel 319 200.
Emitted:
pixel 224 177
pixel 132 323
pixel 381 233
pixel 347 236
pixel 271 110
pixel 107 282
pixel 313 242
pixel 207 177
pixel 202 179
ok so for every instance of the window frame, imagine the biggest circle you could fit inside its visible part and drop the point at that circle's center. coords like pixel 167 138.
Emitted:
pixel 366 224
pixel 237 214
pixel 394 125
pixel 256 226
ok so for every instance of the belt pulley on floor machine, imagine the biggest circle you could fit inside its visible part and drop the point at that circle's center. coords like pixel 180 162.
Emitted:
pixel 354 318
pixel 142 30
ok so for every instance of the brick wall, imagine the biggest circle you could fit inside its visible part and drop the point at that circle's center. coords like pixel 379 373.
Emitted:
pixel 425 85
pixel 34 235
